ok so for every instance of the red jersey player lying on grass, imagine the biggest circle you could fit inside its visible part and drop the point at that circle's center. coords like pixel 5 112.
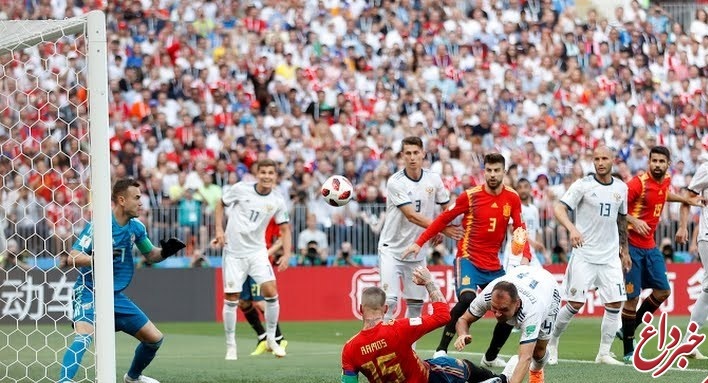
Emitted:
pixel 383 352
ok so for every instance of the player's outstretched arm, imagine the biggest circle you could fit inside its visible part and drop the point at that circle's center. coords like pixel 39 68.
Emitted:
pixel 168 248
pixel 463 330
pixel 522 368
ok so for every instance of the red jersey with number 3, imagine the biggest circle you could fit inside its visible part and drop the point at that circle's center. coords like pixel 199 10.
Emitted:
pixel 645 200
pixel 485 220
pixel 384 353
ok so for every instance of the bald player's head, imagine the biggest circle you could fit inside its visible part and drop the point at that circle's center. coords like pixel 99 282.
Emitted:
pixel 602 159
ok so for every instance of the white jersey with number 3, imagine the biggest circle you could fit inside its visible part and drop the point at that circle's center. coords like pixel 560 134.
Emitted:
pixel 596 207
pixel 398 233
pixel 699 185
pixel 248 215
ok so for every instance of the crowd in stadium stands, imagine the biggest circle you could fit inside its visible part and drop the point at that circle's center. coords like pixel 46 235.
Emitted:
pixel 200 90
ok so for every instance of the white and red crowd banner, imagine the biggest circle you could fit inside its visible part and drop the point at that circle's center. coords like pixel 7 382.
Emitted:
pixel 333 293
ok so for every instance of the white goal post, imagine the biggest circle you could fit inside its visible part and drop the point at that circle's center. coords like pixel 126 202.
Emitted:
pixel 16 38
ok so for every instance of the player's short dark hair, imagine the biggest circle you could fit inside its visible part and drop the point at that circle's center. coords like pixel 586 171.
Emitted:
pixel 663 150
pixel 509 288
pixel 494 158
pixel 373 297
pixel 265 163
pixel 412 140
pixel 523 180
pixel 121 186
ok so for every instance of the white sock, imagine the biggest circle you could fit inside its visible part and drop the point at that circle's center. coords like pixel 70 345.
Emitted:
pixel 537 365
pixel 392 303
pixel 229 315
pixel 700 309
pixel 607 329
pixel 414 309
pixel 566 313
pixel 272 312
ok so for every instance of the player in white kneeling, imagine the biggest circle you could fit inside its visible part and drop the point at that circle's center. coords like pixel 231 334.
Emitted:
pixel 531 217
pixel 601 253
pixel 411 196
pixel 527 298
pixel 251 206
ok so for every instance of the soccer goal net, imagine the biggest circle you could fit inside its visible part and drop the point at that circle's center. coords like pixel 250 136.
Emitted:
pixel 55 178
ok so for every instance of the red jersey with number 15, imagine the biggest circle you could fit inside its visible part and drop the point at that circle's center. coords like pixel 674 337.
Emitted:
pixel 384 352
pixel 645 200
pixel 485 221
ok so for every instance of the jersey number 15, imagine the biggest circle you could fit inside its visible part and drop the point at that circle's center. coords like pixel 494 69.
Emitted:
pixel 382 373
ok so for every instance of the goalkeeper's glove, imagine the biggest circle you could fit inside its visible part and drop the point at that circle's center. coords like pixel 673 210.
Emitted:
pixel 171 247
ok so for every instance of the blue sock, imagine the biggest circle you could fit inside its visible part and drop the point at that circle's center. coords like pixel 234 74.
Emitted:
pixel 144 354
pixel 73 355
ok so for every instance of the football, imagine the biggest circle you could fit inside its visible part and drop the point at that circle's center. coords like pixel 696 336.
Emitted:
pixel 337 190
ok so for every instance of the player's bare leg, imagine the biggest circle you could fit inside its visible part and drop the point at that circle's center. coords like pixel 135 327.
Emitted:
pixel 229 317
pixel 150 341
pixel 565 315
pixel 272 312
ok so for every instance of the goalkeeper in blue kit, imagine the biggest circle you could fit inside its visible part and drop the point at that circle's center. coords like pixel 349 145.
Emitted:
pixel 126 231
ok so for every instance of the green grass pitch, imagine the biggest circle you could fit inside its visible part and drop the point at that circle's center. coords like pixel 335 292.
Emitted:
pixel 194 353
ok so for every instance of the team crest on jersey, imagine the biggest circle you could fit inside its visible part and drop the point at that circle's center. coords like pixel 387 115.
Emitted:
pixel 629 288
pixel 618 197
pixel 430 190
pixel 573 291
pixel 269 208
pixel 506 210
pixel 385 287
pixel 466 280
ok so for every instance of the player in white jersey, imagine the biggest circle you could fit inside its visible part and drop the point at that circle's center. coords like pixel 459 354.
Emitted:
pixel 699 186
pixel 411 196
pixel 527 298
pixel 601 253
pixel 251 206
pixel 532 219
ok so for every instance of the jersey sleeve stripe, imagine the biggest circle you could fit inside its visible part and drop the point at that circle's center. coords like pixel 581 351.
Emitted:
pixel 443 203
pixel 639 203
pixel 404 204
pixel 528 341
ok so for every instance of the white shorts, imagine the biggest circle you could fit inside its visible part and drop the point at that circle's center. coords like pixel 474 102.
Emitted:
pixel 703 254
pixel 394 271
pixel 550 319
pixel 236 270
pixel 581 276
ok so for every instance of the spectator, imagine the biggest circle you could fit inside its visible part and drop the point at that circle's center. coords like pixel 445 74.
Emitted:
pixel 312 244
pixel 12 257
pixel 346 256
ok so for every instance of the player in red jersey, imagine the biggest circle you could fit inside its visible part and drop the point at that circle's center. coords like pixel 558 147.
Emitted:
pixel 646 195
pixel 382 351
pixel 486 211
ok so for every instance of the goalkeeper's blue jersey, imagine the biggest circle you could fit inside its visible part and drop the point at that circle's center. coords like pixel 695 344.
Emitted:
pixel 124 237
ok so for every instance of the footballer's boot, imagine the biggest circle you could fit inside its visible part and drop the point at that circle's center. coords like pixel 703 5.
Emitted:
pixel 607 359
pixel 696 355
pixel 628 357
pixel 283 344
pixel 231 353
pixel 497 362
pixel 536 376
pixel 552 351
pixel 261 348
pixel 278 351
pixel 141 379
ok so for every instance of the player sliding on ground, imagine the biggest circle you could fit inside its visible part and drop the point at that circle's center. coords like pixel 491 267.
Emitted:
pixel 126 231
pixel 382 351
